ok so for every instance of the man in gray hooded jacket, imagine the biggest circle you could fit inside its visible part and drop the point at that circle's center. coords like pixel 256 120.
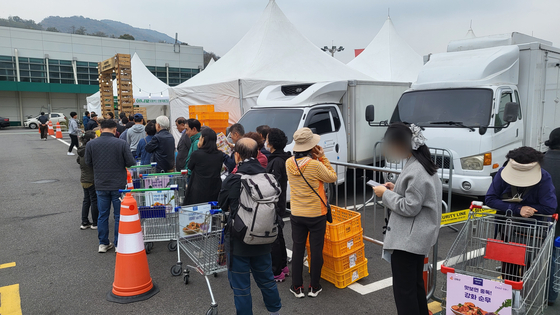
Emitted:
pixel 135 133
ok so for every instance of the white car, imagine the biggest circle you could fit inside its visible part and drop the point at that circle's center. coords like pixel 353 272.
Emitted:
pixel 33 122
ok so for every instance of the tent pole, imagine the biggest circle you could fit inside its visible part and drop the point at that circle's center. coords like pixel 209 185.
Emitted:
pixel 240 96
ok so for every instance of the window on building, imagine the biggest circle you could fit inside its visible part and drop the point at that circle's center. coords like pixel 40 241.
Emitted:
pixel 176 75
pixel 60 71
pixel 87 73
pixel 7 68
pixel 32 70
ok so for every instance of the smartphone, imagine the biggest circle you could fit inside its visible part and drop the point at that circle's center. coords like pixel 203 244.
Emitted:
pixel 373 183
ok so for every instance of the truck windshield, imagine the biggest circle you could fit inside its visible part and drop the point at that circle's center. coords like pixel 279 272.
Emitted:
pixel 286 120
pixel 467 107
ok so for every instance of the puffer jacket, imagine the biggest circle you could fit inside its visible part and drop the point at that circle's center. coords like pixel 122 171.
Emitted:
pixel 162 147
pixel 86 176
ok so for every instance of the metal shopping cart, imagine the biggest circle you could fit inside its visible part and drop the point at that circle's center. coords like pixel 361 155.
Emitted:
pixel 201 237
pixel 139 170
pixel 162 180
pixel 158 215
pixel 556 264
pixel 512 250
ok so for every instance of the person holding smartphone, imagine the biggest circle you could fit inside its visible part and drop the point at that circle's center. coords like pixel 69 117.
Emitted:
pixel 307 172
pixel 415 204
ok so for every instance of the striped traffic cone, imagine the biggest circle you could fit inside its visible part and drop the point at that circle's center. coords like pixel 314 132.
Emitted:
pixel 129 184
pixel 58 131
pixel 133 282
pixel 51 131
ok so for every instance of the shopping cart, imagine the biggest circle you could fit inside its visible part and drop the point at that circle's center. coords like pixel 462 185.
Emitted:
pixel 556 264
pixel 158 215
pixel 139 170
pixel 162 180
pixel 512 250
pixel 201 237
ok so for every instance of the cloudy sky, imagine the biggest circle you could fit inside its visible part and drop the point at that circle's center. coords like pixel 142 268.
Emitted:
pixel 217 25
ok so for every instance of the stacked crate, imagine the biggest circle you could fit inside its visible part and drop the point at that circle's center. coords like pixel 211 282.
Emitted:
pixel 218 121
pixel 344 260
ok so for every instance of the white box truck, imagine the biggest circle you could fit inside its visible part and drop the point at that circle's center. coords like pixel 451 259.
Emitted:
pixel 331 110
pixel 461 98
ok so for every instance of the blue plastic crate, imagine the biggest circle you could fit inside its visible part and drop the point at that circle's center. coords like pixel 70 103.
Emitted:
pixel 147 212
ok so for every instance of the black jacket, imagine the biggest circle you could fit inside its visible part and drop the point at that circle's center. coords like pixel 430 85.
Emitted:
pixel 229 161
pixel 551 164
pixel 92 124
pixel 229 202
pixel 182 152
pixel 205 181
pixel 277 167
pixel 86 170
pixel 162 147
pixel 109 157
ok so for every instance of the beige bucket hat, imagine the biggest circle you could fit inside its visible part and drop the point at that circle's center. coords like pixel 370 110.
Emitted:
pixel 305 140
pixel 522 175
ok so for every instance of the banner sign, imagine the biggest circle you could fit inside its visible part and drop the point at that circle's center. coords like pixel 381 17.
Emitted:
pixel 470 295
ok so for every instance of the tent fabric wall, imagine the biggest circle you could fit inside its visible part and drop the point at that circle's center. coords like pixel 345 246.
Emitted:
pixel 272 52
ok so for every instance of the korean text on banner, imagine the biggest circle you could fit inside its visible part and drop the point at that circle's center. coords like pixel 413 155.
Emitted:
pixel 466 293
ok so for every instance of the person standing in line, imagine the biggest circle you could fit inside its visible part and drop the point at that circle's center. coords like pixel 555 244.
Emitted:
pixel 184 144
pixel 192 129
pixel 307 172
pixel 109 115
pixel 73 132
pixel 88 186
pixel 145 156
pixel 128 125
pixel 92 123
pixel 276 142
pixel 414 223
pixel 551 164
pixel 43 125
pixel 236 132
pixel 263 131
pixel 243 259
pixel 162 146
pixel 205 166
pixel 260 143
pixel 85 119
pixel 109 157
pixel 135 133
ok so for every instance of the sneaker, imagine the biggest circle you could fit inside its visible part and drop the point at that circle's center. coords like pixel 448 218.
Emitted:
pixel 286 271
pixel 314 291
pixel 85 226
pixel 298 292
pixel 280 278
pixel 104 248
pixel 70 153
pixel 93 227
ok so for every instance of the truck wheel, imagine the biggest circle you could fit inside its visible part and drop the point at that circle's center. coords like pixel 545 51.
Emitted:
pixel 32 126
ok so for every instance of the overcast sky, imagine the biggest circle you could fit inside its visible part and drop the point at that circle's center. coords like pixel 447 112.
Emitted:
pixel 427 25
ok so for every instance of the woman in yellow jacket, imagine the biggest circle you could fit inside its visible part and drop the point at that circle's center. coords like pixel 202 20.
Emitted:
pixel 307 171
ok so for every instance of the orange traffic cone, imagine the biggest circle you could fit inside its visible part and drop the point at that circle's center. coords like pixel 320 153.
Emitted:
pixel 58 131
pixel 133 282
pixel 129 184
pixel 51 131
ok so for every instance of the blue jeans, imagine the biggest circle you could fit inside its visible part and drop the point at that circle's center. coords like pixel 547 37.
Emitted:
pixel 239 275
pixel 104 200
pixel 552 295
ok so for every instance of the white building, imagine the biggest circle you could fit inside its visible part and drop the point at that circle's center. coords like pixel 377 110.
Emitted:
pixel 38 68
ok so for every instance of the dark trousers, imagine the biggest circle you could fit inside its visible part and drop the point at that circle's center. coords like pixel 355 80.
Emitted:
pixel 73 142
pixel 90 201
pixel 44 130
pixel 279 255
pixel 408 283
pixel 239 275
pixel 301 228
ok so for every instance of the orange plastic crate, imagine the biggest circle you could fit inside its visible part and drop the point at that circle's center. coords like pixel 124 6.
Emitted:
pixel 343 263
pixel 343 247
pixel 345 223
pixel 343 279
pixel 200 109
pixel 213 123
pixel 214 116
pixel 218 130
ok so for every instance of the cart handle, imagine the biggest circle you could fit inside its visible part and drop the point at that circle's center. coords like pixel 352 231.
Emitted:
pixel 144 166
pixel 172 187
pixel 516 285
pixel 160 174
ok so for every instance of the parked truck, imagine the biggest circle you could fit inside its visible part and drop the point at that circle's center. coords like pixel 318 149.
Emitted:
pixel 331 110
pixel 482 98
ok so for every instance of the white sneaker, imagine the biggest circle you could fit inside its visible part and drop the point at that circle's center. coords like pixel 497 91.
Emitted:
pixel 70 153
pixel 105 248
pixel 93 227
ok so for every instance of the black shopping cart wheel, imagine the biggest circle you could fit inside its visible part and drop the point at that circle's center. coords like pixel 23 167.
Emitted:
pixel 148 247
pixel 215 275
pixel 176 270
pixel 172 246
pixel 186 279
pixel 213 310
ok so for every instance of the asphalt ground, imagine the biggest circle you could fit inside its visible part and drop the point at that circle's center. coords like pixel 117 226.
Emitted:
pixel 59 271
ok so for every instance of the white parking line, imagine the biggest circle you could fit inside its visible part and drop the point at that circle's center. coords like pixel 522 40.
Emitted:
pixel 65 142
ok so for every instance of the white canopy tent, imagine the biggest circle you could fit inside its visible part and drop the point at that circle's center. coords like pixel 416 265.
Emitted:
pixel 147 89
pixel 272 52
pixel 388 57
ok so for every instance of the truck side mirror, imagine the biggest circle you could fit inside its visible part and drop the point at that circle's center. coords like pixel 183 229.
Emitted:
pixel 370 113
pixel 511 112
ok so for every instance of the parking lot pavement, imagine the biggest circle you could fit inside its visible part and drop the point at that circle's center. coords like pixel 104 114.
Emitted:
pixel 58 270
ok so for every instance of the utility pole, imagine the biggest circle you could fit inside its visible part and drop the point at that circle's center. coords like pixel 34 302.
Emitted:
pixel 333 49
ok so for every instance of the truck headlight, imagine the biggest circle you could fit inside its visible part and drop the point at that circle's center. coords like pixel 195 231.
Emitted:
pixel 476 162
